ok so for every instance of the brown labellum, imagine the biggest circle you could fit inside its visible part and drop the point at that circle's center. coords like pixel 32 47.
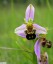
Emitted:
pixel 43 42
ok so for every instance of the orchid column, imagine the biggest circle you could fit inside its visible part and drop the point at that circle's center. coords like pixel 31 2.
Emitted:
pixel 31 31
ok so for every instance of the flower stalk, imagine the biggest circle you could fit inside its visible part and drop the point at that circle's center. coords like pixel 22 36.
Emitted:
pixel 34 58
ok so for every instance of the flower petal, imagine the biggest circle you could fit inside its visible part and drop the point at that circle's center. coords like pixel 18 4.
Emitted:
pixel 37 48
pixel 39 29
pixel 29 12
pixel 40 32
pixel 20 31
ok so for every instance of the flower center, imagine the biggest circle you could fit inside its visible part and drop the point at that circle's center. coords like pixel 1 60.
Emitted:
pixel 30 32
pixel 29 26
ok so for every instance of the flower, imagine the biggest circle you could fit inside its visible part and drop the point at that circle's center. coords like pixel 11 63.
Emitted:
pixel 28 29
pixel 41 58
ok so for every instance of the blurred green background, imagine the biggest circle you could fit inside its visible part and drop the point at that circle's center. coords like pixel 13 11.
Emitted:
pixel 14 49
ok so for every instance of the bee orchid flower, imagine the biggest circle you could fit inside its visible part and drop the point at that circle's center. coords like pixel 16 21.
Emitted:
pixel 30 30
pixel 41 58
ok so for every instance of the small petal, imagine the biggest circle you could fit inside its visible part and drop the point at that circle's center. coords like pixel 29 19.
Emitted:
pixel 29 12
pixel 20 31
pixel 37 48
pixel 39 29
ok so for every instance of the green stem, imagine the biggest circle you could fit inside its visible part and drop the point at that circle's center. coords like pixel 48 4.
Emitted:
pixel 34 55
pixel 34 58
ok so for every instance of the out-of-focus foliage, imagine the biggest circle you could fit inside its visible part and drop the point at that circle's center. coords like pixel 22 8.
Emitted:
pixel 37 2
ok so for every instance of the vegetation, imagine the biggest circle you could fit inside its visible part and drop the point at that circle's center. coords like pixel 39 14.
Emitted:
pixel 14 49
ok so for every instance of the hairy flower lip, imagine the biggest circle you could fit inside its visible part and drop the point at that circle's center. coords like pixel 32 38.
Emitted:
pixel 43 59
